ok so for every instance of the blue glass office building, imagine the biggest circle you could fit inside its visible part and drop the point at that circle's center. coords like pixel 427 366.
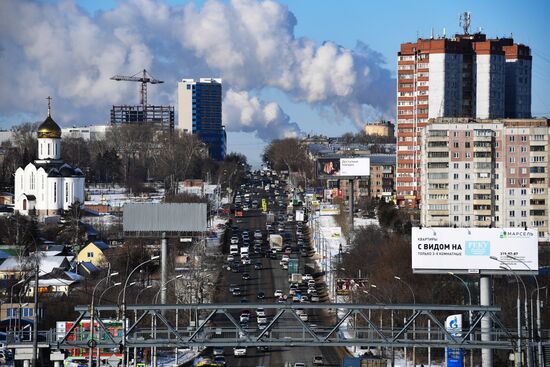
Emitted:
pixel 200 112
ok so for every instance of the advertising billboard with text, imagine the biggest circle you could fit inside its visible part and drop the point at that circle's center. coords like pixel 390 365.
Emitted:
pixel 475 250
pixel 343 167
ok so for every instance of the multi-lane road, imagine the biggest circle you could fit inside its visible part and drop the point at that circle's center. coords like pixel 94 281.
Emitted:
pixel 268 279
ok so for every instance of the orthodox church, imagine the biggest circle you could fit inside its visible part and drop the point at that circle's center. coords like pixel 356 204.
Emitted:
pixel 48 185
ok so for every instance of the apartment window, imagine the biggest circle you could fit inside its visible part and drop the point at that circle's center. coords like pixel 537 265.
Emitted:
pixel 512 160
pixel 455 197
pixel 467 176
pixel 523 159
pixel 188 86
pixel 512 171
pixel 455 144
pixel 455 187
pixel 455 133
pixel 467 165
pixel 456 218
pixel 512 213
pixel 55 192
pixel 90 254
pixel 524 138
pixel 524 213
pixel 455 165
pixel 467 218
pixel 512 202
pixel 523 149
pixel 511 223
pixel 467 133
pixel 455 176
pixel 467 197
pixel 512 181
pixel 468 155
pixel 456 155
pixel 467 144
pixel 512 149
pixel 511 138
pixel 523 170
pixel 467 186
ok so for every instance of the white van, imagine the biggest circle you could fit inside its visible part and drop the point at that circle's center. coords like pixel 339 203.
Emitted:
pixel 234 249
pixel 244 251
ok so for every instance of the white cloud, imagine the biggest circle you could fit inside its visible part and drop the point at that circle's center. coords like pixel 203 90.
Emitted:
pixel 58 49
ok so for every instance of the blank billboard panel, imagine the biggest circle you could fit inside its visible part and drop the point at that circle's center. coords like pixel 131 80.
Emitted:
pixel 164 217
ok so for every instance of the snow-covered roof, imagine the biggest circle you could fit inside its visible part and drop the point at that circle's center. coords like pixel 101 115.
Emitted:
pixel 47 263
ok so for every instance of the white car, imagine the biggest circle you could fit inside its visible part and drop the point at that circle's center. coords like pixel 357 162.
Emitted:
pixel 303 317
pixel 258 234
pixel 262 320
pixel 234 240
pixel 260 312
pixel 278 293
pixel 299 364
pixel 239 351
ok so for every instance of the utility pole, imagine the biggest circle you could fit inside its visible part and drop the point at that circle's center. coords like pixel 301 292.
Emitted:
pixel 35 326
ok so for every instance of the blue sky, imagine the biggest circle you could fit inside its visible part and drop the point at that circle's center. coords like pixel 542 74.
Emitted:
pixel 383 25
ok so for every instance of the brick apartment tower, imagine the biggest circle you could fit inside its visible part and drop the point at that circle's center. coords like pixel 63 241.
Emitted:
pixel 464 76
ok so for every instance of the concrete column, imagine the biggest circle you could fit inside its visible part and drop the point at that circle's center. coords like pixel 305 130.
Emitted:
pixel 58 364
pixel 26 363
pixel 486 324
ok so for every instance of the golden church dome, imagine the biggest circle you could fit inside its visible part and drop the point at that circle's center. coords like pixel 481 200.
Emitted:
pixel 49 129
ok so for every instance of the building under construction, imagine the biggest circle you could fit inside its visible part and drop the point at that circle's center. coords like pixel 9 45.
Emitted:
pixel 161 116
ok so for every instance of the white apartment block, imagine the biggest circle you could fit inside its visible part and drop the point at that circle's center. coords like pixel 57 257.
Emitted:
pixel 482 173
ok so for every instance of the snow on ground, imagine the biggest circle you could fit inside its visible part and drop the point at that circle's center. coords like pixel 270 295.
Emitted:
pixel 332 248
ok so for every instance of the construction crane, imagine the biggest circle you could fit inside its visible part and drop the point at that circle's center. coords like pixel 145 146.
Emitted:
pixel 144 79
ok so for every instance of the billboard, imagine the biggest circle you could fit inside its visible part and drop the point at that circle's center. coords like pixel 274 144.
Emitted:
pixel 474 250
pixel 329 209
pixel 155 218
pixel 343 167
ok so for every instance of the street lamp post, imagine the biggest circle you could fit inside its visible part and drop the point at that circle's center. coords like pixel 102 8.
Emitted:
pixel 92 320
pixel 124 326
pixel 539 339
pixel 154 320
pixel 414 321
pixel 98 358
pixel 507 267
pixel 136 316
pixel 469 314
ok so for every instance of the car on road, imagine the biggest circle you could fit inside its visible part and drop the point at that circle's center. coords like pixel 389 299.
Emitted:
pixel 260 312
pixel 260 295
pixel 239 351
pixel 217 351
pixel 234 240
pixel 314 297
pixel 246 260
pixel 232 286
pixel 303 317
pixel 236 291
pixel 246 276
pixel 318 361
pixel 299 364
pixel 230 258
pixel 278 293
pixel 258 266
pixel 258 234
pixel 219 361
pixel 262 319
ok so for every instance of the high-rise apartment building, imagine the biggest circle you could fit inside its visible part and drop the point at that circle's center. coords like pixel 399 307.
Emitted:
pixel 483 173
pixel 200 113
pixel 464 76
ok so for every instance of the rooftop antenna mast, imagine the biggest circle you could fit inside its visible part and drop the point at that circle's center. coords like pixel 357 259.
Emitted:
pixel 464 21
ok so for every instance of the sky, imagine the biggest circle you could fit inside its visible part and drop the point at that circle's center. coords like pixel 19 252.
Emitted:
pixel 290 67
